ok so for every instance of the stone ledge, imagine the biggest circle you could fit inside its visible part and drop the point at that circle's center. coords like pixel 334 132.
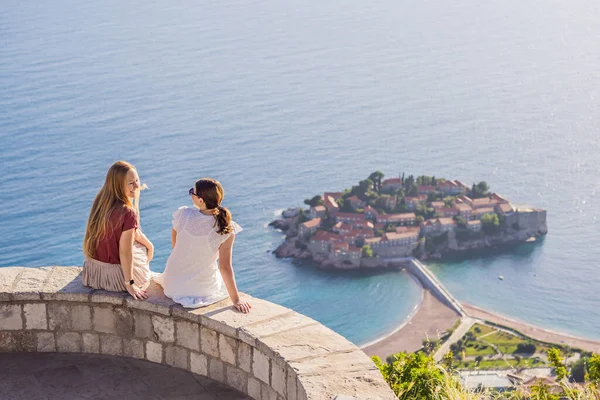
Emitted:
pixel 272 352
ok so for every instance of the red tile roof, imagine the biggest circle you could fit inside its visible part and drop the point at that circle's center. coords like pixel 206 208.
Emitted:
pixel 312 223
pixel 392 181
pixel 463 207
pixel 354 216
pixel 484 210
pixel 324 236
pixel 397 236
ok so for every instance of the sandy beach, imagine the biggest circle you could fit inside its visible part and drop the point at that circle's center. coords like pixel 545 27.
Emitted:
pixel 431 320
pixel 537 333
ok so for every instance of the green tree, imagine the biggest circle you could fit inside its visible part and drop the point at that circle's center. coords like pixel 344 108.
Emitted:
pixel 367 251
pixel 490 223
pixel 593 367
pixel 578 370
pixel 412 376
pixel 376 177
pixel 315 201
pixel 525 348
pixel 478 359
pixel 448 361
pixel 541 391
pixel 479 190
pixel 557 362
pixel 461 222
pixel 364 186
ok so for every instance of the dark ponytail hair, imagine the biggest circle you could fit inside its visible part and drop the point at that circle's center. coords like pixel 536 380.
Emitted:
pixel 211 191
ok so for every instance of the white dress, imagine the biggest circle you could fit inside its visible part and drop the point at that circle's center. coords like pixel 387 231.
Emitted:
pixel 192 277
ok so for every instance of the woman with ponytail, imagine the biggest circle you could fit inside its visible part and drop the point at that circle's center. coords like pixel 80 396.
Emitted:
pixel 199 270
pixel 117 253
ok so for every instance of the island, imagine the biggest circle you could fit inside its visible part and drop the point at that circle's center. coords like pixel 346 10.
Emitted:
pixel 385 222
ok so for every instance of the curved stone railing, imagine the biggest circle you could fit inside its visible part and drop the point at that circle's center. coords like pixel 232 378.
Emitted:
pixel 271 353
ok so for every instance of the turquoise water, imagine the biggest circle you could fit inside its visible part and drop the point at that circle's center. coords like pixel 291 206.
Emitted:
pixel 284 100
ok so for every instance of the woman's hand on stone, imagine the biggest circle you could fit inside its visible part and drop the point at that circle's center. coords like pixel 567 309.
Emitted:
pixel 242 306
pixel 136 292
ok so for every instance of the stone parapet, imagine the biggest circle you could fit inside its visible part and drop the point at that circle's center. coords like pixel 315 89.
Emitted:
pixel 271 353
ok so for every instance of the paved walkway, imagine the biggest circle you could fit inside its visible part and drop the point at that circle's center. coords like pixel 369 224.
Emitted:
pixel 465 324
pixel 49 376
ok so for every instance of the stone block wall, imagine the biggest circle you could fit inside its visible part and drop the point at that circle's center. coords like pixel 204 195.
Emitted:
pixel 271 353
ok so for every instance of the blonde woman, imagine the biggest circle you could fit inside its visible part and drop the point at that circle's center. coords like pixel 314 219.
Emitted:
pixel 117 253
pixel 199 270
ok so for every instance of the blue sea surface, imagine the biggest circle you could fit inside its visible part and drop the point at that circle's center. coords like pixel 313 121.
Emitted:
pixel 284 100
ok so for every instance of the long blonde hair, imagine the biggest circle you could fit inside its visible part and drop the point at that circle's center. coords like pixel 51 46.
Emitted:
pixel 110 197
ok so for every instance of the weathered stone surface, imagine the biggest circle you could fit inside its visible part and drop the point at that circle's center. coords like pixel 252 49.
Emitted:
pixel 81 317
pixel 210 342
pixel 227 319
pixel 7 280
pixel 68 342
pixel 291 389
pixel 227 349
pixel 24 341
pixel 244 357
pixel 199 363
pixel 164 328
pixel 236 378
pixel 6 342
pixel 267 393
pixel 64 283
pixel 156 302
pixel 260 366
pixel 46 342
pixel 59 317
pixel 30 283
pixel 104 320
pixel 143 326
pixel 133 348
pixel 123 322
pixel 293 344
pixel 216 370
pixel 154 352
pixel 188 335
pixel 367 385
pixel 10 317
pixel 344 397
pixel 111 344
pixel 35 316
pixel 354 360
pixel 278 379
pixel 284 322
pixel 91 343
pixel 254 388
pixel 104 297
pixel 176 356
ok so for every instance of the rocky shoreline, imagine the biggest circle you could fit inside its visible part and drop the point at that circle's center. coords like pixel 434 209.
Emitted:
pixel 295 247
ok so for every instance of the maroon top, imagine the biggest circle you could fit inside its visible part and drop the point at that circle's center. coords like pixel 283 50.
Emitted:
pixel 107 249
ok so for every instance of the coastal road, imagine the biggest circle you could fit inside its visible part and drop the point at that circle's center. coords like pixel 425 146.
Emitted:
pixel 465 324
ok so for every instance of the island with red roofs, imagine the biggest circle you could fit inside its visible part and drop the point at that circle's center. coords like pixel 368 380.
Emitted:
pixel 384 222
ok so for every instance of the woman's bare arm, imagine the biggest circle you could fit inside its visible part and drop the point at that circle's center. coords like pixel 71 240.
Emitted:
pixel 141 238
pixel 126 256
pixel 173 238
pixel 226 268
